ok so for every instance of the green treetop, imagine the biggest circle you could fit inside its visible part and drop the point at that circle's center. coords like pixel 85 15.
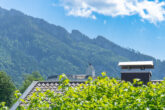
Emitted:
pixel 7 88
pixel 29 78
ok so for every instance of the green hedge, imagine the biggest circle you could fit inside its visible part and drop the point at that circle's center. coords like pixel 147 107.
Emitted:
pixel 102 93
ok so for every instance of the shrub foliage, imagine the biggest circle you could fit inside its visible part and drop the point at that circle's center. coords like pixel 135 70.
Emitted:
pixel 100 93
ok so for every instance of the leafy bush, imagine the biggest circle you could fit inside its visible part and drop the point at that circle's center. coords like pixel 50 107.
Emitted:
pixel 2 106
pixel 101 93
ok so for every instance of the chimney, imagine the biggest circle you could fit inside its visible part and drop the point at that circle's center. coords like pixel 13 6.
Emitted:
pixel 136 70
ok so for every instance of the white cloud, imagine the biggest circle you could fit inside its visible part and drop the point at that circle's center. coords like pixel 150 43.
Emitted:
pixel 153 11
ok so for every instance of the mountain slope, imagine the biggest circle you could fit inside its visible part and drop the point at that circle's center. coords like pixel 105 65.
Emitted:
pixel 30 44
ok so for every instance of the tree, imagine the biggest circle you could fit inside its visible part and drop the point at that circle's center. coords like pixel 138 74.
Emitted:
pixel 29 78
pixel 7 89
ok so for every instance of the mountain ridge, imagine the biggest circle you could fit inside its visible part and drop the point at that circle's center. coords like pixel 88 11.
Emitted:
pixel 30 44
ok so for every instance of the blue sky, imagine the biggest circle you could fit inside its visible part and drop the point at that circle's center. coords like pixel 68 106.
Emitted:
pixel 137 24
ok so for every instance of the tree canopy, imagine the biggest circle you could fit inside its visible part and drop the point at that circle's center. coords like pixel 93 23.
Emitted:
pixel 7 89
pixel 29 78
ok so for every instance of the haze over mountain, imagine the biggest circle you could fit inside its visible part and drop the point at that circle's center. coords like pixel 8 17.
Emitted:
pixel 30 44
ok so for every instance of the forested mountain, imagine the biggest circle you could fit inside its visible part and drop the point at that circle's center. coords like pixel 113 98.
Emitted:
pixel 30 44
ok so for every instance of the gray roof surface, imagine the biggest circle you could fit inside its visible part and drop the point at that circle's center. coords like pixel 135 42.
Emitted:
pixel 43 85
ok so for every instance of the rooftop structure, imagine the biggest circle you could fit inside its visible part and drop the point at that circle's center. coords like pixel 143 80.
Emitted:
pixel 90 72
pixel 79 77
pixel 136 65
pixel 132 72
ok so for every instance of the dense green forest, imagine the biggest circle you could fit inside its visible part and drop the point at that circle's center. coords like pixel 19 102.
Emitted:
pixel 30 44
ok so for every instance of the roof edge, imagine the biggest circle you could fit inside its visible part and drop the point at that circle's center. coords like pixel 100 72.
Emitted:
pixel 15 105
